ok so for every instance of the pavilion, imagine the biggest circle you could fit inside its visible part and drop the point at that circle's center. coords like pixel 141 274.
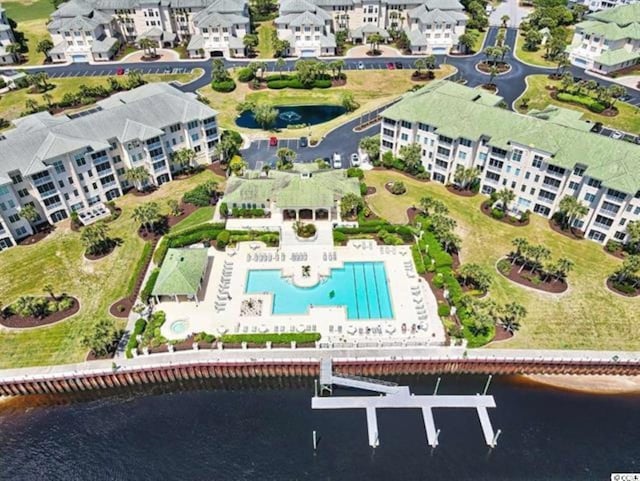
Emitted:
pixel 181 274
pixel 303 192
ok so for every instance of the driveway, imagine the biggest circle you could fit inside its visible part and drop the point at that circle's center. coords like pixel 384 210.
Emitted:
pixel 513 9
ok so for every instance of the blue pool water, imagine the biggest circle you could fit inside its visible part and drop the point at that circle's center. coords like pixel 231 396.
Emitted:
pixel 359 286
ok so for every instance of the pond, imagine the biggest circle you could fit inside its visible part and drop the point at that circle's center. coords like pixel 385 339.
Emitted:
pixel 294 115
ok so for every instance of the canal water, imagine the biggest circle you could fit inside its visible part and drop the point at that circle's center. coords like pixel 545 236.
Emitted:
pixel 252 430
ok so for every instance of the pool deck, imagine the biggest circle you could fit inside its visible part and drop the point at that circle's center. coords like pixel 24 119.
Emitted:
pixel 222 308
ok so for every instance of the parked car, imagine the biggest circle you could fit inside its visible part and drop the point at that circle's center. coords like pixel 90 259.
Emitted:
pixel 273 141
pixel 120 71
pixel 616 134
pixel 399 65
pixel 167 70
pixel 360 66
pixel 303 142
pixel 391 66
pixel 337 160
pixel 355 159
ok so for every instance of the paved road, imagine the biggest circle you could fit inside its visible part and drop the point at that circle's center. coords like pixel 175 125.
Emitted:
pixel 343 139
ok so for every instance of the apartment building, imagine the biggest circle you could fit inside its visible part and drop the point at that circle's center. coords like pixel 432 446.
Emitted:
pixel 307 28
pixel 595 5
pixel 61 164
pixel 432 26
pixel 541 157
pixel 6 39
pixel 91 30
pixel 607 40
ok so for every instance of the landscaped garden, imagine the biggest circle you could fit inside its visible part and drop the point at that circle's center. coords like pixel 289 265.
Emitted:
pixel 370 89
pixel 588 315
pixel 59 261
pixel 543 91
pixel 31 17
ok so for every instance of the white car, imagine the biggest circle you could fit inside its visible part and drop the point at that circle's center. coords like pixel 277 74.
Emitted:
pixel 355 159
pixel 337 160
pixel 616 134
pixel 360 66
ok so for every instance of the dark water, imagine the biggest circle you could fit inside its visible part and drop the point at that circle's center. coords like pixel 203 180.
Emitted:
pixel 253 432
pixel 295 115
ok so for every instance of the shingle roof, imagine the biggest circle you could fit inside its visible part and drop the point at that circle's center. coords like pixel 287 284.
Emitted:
pixel 368 29
pixel 436 16
pixel 306 18
pixel 610 31
pixel 458 111
pixel 290 190
pixel 137 112
pixel 444 5
pixel 103 46
pixel 181 272
pixel 562 116
pixel 416 38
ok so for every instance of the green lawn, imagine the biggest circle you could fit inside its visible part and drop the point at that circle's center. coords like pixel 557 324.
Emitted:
pixel 12 104
pixel 479 39
pixel 587 316
pixel 25 10
pixel 200 216
pixel 58 260
pixel 628 118
pixel 265 32
pixel 371 89
pixel 534 58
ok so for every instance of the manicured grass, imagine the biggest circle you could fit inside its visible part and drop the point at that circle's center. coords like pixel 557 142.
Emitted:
pixel 265 35
pixel 628 118
pixel 479 39
pixel 12 104
pixel 58 260
pixel 25 10
pixel 200 216
pixel 588 316
pixel 371 89
pixel 534 58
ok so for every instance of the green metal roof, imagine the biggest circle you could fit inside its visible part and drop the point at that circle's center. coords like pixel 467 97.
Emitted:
pixel 289 189
pixel 181 272
pixel 618 56
pixel 622 15
pixel 562 116
pixel 610 31
pixel 616 163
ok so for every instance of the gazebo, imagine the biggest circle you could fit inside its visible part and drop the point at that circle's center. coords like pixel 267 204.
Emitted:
pixel 181 274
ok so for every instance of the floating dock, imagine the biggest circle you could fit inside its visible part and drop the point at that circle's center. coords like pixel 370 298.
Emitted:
pixel 393 396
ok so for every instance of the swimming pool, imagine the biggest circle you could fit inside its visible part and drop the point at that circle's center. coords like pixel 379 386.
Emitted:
pixel 359 286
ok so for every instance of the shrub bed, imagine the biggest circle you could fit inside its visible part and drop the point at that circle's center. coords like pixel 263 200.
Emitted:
pixel 132 343
pixel 299 338
pixel 224 86
pixel 146 291
pixel 584 100
pixel 247 213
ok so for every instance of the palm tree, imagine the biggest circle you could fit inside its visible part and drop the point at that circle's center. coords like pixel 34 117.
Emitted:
pixel 420 64
pixel 571 210
pixel 633 230
pixel 563 63
pixel 14 49
pixel 95 238
pixel 48 288
pixel 31 105
pixel 512 314
pixel 48 98
pixel 146 44
pixel 505 197
pixel 521 244
pixel 504 19
pixel 138 176
pixel 29 213
pixel 563 267
pixel 374 40
pixel 147 215
pixel 493 72
pixel 539 253
pixel 174 207
pixel 184 157
pixel 280 65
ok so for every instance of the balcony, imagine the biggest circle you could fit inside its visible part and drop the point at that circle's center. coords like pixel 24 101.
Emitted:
pixel 601 226
pixel 42 180
pixel 53 206
pixel 154 145
pixel 109 184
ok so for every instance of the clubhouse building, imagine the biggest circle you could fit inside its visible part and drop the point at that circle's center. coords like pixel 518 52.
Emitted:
pixel 542 157
pixel 64 164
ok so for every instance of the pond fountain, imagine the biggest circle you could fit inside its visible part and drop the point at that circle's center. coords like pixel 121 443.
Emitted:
pixel 298 115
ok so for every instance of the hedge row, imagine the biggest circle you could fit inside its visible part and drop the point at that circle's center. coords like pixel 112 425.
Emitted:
pixel 145 294
pixel 248 213
pixel 277 82
pixel 133 340
pixel 199 196
pixel 300 338
pixel 589 102
pixel 137 270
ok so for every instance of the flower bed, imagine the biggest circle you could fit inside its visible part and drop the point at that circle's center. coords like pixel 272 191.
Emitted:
pixel 627 290
pixel 487 210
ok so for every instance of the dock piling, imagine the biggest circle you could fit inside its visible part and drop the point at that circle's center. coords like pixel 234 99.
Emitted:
pixel 435 391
